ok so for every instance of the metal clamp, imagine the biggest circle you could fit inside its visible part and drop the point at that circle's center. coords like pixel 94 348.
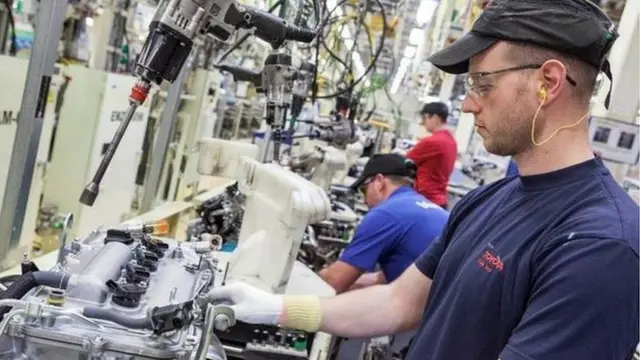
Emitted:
pixel 66 227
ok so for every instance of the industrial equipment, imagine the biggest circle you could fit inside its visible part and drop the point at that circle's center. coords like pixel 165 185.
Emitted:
pixel 219 216
pixel 166 49
pixel 324 241
pixel 478 168
pixel 219 221
pixel 123 292
pixel 116 293
pixel 277 202
pixel 14 71
pixel 83 136
pixel 279 207
pixel 353 152
pixel 197 117
pixel 276 80
pixel 320 243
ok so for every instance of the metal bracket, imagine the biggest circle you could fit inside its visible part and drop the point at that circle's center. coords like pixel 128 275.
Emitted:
pixel 66 227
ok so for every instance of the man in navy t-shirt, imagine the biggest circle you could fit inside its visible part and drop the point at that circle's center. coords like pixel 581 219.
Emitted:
pixel 399 226
pixel 540 266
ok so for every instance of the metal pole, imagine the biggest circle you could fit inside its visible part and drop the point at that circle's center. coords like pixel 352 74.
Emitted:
pixel 163 138
pixel 44 53
pixel 266 141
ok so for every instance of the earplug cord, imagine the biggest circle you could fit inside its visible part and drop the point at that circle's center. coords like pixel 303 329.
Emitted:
pixel 535 117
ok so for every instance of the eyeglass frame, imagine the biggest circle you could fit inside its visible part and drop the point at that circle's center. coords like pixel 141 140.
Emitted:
pixel 365 183
pixel 363 187
pixel 469 88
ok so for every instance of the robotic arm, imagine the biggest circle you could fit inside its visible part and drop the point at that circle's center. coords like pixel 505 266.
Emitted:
pixel 282 84
pixel 177 22
pixel 174 26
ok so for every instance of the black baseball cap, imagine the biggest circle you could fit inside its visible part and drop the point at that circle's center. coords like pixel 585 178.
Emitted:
pixel 386 164
pixel 576 28
pixel 436 108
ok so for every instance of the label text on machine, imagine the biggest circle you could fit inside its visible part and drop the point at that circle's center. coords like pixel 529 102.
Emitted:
pixel 119 116
pixel 8 116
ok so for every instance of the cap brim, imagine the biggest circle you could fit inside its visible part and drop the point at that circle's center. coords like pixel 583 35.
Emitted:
pixel 356 184
pixel 454 59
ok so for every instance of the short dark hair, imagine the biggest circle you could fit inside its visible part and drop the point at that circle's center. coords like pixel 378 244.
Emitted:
pixel 583 73
pixel 436 108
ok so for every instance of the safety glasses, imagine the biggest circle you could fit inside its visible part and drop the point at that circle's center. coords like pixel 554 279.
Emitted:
pixel 479 84
pixel 365 184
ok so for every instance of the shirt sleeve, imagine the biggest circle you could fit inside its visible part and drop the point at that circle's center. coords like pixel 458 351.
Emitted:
pixel 428 262
pixel 583 304
pixel 423 150
pixel 375 234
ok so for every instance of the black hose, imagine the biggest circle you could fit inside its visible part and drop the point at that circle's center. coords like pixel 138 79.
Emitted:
pixel 26 282
pixel 8 279
pixel 118 318
pixel 51 279
pixel 372 64
pixel 245 36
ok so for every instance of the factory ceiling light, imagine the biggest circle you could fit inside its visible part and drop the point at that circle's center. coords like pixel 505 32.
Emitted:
pixel 410 51
pixel 425 11
pixel 404 66
pixel 416 36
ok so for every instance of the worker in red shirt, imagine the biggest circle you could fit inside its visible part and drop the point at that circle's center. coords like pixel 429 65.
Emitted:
pixel 434 155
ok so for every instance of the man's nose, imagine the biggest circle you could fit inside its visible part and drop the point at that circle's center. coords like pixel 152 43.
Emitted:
pixel 470 106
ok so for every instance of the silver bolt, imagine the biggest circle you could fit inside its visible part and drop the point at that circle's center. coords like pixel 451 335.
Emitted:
pixel 221 322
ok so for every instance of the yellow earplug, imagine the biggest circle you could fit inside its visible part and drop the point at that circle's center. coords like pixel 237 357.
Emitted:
pixel 543 97
pixel 543 93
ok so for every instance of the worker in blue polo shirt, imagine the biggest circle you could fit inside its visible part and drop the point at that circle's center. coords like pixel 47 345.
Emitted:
pixel 399 226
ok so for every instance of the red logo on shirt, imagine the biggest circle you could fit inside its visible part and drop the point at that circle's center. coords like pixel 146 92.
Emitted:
pixel 489 262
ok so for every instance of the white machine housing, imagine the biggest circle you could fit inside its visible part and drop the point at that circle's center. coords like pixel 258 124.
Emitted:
pixel 279 206
pixel 13 71
pixel 196 119
pixel 222 157
pixel 278 203
pixel 352 152
pixel 333 161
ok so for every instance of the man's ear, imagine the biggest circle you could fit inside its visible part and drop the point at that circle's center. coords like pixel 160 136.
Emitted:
pixel 552 80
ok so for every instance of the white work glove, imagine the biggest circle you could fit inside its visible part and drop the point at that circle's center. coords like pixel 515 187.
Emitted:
pixel 249 304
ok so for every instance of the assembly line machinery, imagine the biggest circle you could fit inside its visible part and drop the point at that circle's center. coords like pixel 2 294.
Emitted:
pixel 164 169
pixel 123 292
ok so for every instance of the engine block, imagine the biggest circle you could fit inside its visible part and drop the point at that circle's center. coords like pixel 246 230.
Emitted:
pixel 117 295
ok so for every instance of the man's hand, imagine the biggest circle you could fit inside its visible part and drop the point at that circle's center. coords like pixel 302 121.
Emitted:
pixel 250 305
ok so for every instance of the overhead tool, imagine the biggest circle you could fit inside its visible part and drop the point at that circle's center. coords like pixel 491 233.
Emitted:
pixel 171 33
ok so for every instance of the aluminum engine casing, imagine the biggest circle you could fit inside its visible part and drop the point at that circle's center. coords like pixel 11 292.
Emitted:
pixel 181 274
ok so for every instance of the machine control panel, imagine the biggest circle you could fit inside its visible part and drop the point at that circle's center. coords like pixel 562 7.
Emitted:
pixel 281 345
pixel 334 231
pixel 268 342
